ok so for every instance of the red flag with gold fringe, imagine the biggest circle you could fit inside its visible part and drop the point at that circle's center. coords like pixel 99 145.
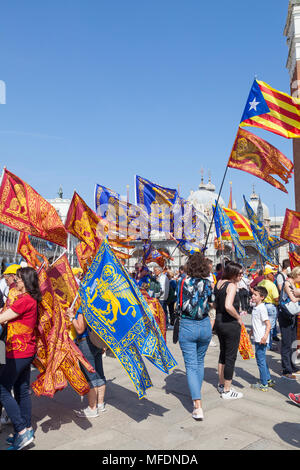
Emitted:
pixel 290 230
pixel 57 357
pixel 29 253
pixel 256 156
pixel 23 209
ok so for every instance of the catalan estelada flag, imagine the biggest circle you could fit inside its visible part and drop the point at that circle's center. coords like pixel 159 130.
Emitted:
pixel 23 209
pixel 272 110
pixel 256 156
pixel 240 223
pixel 290 230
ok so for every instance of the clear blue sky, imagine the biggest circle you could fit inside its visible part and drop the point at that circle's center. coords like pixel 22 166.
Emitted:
pixel 101 90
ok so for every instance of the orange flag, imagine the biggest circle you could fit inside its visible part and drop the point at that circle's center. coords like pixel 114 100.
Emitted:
pixel 23 209
pixel 256 156
pixel 29 253
pixel 64 283
pixel 294 259
pixel 82 222
pixel 290 230
pixel 57 356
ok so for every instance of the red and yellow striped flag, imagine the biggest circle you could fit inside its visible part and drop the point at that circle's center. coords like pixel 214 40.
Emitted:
pixel 272 110
pixel 241 225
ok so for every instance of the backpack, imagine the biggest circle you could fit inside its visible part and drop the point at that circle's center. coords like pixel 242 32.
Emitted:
pixel 197 293
pixel 172 294
pixel 276 277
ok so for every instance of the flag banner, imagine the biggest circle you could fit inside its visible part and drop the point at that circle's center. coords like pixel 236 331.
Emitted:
pixel 275 242
pixel 245 345
pixel 82 222
pixel 23 209
pixel 226 225
pixel 260 233
pixel 240 223
pixel 57 357
pixel 116 310
pixel 294 259
pixel 188 248
pixel 103 196
pixel 129 219
pixel 272 110
pixel 186 222
pixel 157 201
pixel 256 156
pixel 29 253
pixel 290 230
pixel 64 283
pixel 158 312
pixel 84 255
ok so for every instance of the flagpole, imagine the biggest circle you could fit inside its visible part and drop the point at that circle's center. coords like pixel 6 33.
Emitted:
pixel 215 208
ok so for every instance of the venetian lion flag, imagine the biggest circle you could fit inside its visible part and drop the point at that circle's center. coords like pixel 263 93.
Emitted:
pixel 290 230
pixel 272 110
pixel 23 209
pixel 29 253
pixel 256 156
pixel 57 357
pixel 83 223
pixel 115 309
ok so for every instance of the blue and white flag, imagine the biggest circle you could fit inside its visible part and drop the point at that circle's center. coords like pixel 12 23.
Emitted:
pixel 115 309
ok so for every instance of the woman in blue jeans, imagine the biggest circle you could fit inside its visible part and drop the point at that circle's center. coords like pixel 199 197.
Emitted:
pixel 194 295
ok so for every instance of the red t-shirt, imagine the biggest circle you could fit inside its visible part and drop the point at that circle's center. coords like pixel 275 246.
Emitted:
pixel 21 341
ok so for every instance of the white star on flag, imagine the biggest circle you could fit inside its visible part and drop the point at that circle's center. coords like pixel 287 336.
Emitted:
pixel 254 104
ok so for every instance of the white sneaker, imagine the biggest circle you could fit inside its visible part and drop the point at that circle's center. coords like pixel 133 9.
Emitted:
pixel 101 407
pixel 231 395
pixel 220 388
pixel 88 413
pixel 198 414
pixel 212 343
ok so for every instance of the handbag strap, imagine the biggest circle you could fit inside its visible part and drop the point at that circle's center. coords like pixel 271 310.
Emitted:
pixel 181 291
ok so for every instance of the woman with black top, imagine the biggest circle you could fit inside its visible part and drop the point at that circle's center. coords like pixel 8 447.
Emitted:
pixel 228 327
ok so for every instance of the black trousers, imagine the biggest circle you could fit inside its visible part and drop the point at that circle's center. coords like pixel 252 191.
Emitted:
pixel 229 337
pixel 288 344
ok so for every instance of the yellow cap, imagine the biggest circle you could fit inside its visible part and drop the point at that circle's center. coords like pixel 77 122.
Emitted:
pixel 12 269
pixel 269 270
pixel 77 271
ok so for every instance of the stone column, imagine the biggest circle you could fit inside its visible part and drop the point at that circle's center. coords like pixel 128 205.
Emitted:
pixel 292 33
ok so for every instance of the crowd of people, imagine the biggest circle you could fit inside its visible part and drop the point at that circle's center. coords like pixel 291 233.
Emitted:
pixel 197 300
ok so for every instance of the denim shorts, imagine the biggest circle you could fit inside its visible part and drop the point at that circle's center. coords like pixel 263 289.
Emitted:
pixel 94 356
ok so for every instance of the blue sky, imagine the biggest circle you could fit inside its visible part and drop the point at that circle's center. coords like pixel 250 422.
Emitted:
pixel 100 90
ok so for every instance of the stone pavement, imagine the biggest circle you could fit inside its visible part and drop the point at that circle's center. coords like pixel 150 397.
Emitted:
pixel 162 420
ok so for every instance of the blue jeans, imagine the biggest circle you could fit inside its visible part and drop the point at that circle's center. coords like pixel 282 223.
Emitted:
pixel 94 356
pixel 16 375
pixel 272 314
pixel 261 360
pixel 194 339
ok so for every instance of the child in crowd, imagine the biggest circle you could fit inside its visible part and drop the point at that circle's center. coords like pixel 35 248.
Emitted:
pixel 261 327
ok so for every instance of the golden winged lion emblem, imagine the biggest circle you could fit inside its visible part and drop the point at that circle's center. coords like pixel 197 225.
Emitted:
pixel 111 287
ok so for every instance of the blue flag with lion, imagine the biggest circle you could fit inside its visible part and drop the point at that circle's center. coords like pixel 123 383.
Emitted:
pixel 116 310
